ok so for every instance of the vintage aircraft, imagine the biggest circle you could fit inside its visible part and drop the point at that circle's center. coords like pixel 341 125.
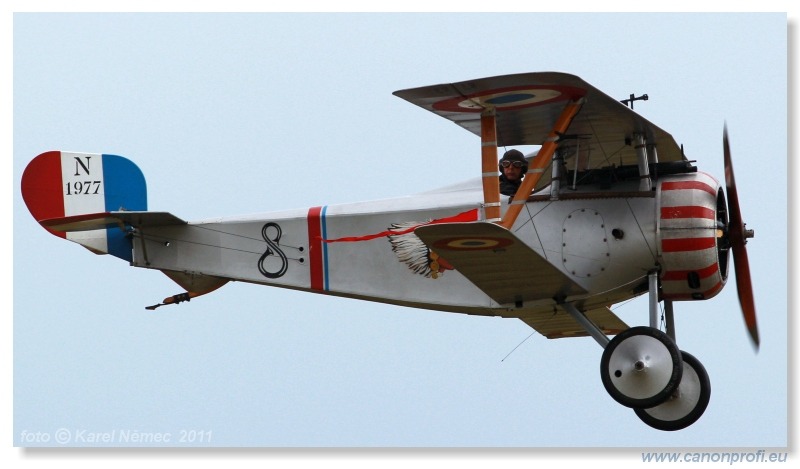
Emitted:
pixel 609 209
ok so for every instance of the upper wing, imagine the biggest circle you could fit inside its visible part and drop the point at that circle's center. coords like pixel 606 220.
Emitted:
pixel 527 105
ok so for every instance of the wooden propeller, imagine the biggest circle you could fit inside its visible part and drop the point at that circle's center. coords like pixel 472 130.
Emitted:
pixel 737 236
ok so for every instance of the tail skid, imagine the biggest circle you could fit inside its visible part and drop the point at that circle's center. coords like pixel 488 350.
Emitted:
pixel 194 284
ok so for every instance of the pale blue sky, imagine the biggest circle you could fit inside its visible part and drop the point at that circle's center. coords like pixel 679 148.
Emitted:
pixel 240 113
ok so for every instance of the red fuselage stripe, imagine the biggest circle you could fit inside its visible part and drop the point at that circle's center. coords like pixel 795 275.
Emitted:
pixel 687 296
pixel 682 274
pixel 687 211
pixel 315 248
pixel 687 244
pixel 469 215
pixel 679 185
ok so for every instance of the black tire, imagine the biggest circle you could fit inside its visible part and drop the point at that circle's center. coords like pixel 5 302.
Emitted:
pixel 687 405
pixel 641 367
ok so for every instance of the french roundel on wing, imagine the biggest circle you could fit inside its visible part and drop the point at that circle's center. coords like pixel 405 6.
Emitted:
pixel 511 98
pixel 474 243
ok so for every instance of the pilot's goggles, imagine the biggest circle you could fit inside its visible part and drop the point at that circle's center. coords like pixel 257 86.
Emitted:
pixel 516 164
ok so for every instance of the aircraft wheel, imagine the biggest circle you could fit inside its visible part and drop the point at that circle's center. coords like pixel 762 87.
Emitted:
pixel 686 404
pixel 641 367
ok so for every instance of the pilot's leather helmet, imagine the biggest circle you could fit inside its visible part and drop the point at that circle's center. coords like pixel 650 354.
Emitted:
pixel 514 156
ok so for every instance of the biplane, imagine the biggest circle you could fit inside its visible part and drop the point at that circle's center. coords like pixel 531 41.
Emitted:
pixel 609 209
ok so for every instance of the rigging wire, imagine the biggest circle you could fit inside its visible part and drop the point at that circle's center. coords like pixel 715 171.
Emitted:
pixel 518 346
pixel 167 242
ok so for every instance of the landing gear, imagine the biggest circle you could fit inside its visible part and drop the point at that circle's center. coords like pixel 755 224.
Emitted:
pixel 686 404
pixel 641 367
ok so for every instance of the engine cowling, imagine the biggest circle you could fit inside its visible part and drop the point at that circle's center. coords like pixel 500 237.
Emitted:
pixel 692 246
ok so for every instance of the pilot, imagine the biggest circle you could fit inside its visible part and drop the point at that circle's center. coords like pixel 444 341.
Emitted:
pixel 513 167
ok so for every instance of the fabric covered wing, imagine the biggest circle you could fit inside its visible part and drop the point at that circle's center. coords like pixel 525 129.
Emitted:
pixel 559 324
pixel 497 262
pixel 527 105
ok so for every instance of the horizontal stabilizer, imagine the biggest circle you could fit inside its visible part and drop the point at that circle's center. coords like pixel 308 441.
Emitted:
pixel 497 262
pixel 559 324
pixel 95 221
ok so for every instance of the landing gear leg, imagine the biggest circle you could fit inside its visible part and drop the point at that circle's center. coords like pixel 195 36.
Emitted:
pixel 670 320
pixel 643 368
pixel 640 367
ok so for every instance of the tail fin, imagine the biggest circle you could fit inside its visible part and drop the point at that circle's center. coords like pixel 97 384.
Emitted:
pixel 59 184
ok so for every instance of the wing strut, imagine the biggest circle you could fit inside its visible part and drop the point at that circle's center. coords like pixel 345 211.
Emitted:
pixel 539 162
pixel 489 170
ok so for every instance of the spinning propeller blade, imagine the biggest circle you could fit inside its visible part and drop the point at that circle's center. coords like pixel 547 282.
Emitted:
pixel 737 235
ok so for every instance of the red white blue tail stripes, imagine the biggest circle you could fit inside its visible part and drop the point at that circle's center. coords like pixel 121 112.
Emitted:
pixel 60 184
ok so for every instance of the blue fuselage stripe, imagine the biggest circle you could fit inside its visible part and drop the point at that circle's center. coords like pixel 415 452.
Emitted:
pixel 324 226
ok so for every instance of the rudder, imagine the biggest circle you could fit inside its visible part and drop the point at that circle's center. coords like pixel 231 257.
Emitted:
pixel 60 184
